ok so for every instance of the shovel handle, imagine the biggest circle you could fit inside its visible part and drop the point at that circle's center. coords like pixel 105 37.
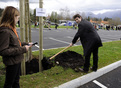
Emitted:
pixel 60 52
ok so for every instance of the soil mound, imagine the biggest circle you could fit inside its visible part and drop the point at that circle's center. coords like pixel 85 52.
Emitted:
pixel 32 66
pixel 69 59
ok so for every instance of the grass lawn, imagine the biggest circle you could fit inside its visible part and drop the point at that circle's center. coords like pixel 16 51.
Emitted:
pixel 109 53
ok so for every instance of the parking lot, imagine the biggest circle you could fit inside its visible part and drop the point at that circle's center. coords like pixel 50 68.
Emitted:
pixel 62 37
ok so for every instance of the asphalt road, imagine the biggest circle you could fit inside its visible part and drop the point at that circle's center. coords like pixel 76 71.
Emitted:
pixel 109 80
pixel 63 37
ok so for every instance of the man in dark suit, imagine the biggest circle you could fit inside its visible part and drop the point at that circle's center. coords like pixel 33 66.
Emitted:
pixel 90 42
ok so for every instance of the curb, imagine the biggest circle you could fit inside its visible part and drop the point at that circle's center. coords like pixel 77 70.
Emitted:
pixel 89 77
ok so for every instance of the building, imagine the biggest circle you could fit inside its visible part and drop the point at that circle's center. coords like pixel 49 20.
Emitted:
pixel 99 22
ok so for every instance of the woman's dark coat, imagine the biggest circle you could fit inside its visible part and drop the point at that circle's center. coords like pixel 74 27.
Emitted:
pixel 10 49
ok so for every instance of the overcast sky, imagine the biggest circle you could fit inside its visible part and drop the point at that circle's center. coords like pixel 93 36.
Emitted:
pixel 95 6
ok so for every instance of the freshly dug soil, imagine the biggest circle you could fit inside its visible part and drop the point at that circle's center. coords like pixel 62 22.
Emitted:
pixel 33 65
pixel 68 59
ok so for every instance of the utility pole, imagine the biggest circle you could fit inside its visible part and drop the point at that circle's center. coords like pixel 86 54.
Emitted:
pixel 40 37
pixel 22 32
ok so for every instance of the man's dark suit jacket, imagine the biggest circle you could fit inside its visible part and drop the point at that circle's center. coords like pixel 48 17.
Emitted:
pixel 88 36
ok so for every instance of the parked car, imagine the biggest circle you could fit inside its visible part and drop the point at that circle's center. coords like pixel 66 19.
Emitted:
pixel 52 23
pixel 62 24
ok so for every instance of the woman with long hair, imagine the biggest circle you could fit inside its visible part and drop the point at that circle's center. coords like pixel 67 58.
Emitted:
pixel 11 48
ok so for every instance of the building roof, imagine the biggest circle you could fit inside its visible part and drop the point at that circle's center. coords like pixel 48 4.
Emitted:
pixel 99 22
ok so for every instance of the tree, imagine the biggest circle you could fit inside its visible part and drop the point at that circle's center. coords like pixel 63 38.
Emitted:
pixel 115 21
pixel 34 17
pixel 67 13
pixel 100 19
pixel 106 19
pixel 64 14
pixel 88 18
pixel 61 15
pixel 96 19
pixel 54 17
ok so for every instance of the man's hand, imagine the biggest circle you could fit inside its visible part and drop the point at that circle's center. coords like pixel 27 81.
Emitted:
pixel 71 45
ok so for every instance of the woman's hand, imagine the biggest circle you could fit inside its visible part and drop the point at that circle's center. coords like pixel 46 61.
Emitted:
pixel 28 46
pixel 30 43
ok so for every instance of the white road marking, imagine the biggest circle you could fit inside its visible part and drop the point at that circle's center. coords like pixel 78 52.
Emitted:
pixel 33 31
pixel 70 37
pixel 99 84
pixel 58 40
pixel 38 47
pixel 54 48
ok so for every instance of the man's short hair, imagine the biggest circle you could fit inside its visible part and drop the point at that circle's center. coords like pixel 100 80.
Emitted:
pixel 77 15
